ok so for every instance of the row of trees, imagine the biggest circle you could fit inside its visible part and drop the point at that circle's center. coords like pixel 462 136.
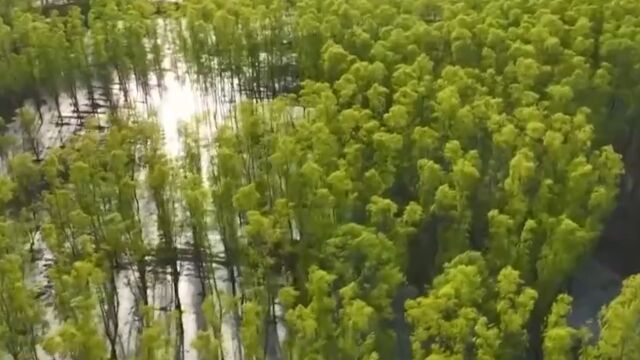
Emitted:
pixel 78 54
pixel 48 56
pixel 262 47
pixel 457 148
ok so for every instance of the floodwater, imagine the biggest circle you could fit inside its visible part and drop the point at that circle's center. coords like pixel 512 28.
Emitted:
pixel 175 103
pixel 178 102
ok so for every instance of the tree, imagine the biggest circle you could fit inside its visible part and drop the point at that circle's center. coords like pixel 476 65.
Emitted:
pixel 471 150
pixel 26 177
pixel 208 342
pixel 619 332
pixel 78 336
pixel 155 339
pixel 559 337
pixel 30 127
pixel 22 315
pixel 460 309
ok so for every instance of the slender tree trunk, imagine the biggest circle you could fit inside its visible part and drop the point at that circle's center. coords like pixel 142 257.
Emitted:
pixel 38 100
pixel 114 305
pixel 74 98
pixel 175 278
pixel 124 87
pixel 144 284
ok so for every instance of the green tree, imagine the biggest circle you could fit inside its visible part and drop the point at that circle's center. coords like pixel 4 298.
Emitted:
pixel 22 315
pixel 618 338
pixel 461 309
pixel 78 336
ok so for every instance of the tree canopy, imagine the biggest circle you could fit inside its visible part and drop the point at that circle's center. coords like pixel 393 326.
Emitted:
pixel 468 151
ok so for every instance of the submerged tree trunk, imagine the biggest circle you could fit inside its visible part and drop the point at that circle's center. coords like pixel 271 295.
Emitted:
pixel 175 278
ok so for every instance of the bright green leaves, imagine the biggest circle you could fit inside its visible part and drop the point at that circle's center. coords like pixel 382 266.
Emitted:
pixel 318 286
pixel 514 305
pixel 521 176
pixel 444 319
pixel 619 338
pixel 413 214
pixel 387 148
pixel 155 337
pixel 373 183
pixel 347 91
pixel 430 177
pixel 312 174
pixel 421 130
pixel 259 228
pixel 359 42
pixel 21 315
pixel 382 213
pixel 252 330
pixel 325 145
pixel 609 168
pixel 247 198
pixel 25 174
pixel 362 300
pixel 447 105
pixel 377 96
pixel 535 130
pixel 547 190
pixel 336 61
pixel 208 340
pixel 311 326
pixel 501 240
pixel 342 189
pixel 487 340
pixel 527 72
pixel 340 183
pixel 397 118
pixel 7 188
pixel 356 338
pixel 582 179
pixel 566 244
pixel 78 336
pixel 465 174
pixel 446 196
pixel 456 312
pixel 73 341
pixel 560 98
pixel 425 142
pixel 559 338
pixel 305 343
pixel 374 268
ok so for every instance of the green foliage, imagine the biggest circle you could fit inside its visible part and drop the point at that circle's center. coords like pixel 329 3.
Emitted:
pixel 462 148
pixel 461 308
pixel 559 337
pixel 22 316
pixel 618 338
pixel 77 337
pixel 155 339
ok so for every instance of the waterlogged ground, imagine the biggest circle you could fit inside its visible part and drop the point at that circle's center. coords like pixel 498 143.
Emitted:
pixel 176 102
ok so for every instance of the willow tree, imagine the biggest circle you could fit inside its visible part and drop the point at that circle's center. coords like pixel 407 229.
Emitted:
pixel 618 338
pixel 462 314
pixel 456 147
pixel 78 336
pixel 22 314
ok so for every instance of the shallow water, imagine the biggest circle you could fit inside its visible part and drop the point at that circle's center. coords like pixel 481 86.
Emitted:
pixel 178 102
pixel 175 103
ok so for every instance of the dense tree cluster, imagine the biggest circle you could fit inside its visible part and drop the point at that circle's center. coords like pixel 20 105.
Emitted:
pixel 459 148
